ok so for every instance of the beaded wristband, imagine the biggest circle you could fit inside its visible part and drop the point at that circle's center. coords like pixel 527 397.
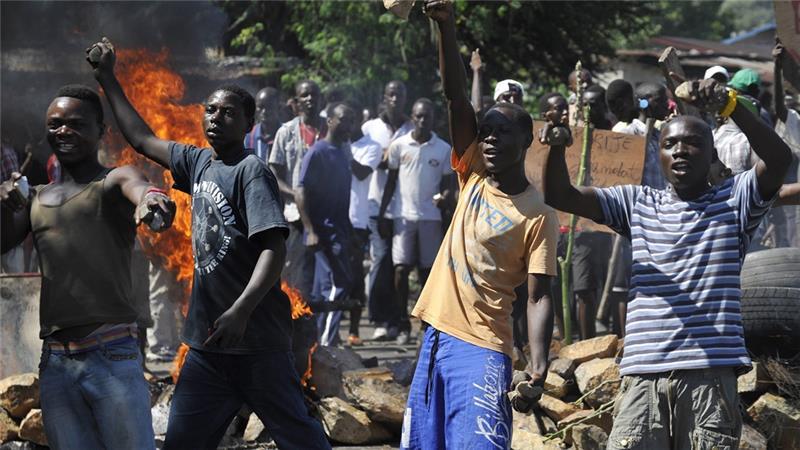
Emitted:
pixel 731 105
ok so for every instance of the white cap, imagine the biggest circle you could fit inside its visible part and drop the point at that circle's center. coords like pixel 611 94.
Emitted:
pixel 715 70
pixel 505 86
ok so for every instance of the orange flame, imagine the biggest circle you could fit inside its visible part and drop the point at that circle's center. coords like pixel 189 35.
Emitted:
pixel 177 364
pixel 299 307
pixel 307 375
pixel 155 91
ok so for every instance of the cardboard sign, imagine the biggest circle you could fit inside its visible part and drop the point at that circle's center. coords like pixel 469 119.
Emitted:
pixel 614 158
pixel 787 18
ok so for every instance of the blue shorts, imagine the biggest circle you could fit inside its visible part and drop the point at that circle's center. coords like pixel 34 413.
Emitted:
pixel 458 398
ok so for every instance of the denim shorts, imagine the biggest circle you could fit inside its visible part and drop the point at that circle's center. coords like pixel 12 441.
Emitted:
pixel 458 398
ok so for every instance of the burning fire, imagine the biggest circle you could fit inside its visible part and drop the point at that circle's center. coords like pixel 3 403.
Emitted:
pixel 177 364
pixel 307 375
pixel 156 92
pixel 299 307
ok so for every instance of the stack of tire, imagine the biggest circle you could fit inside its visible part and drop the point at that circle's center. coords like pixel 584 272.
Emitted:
pixel 771 302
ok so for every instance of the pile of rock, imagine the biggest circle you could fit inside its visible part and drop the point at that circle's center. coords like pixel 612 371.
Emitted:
pixel 583 381
pixel 356 404
pixel 21 424
pixel 360 403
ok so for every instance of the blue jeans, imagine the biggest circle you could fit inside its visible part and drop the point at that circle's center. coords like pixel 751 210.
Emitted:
pixel 332 283
pixel 213 387
pixel 381 300
pixel 458 398
pixel 96 399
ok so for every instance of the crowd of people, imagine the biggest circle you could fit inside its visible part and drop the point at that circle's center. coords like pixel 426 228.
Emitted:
pixel 344 206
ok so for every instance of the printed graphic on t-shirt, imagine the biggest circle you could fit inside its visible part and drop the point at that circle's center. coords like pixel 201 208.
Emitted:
pixel 211 213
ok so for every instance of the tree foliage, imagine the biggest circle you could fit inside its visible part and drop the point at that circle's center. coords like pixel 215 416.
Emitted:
pixel 711 20
pixel 358 46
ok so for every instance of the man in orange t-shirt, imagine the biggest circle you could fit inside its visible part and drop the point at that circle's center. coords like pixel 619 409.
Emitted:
pixel 502 233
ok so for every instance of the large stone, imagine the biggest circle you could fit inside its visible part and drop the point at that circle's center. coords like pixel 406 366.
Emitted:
pixel 19 394
pixel 255 431
pixel 555 408
pixel 375 391
pixel 588 437
pixel 403 370
pixel 345 424
pixel 9 430
pixel 754 381
pixel 528 440
pixel 563 367
pixel 603 420
pixel 525 421
pixel 327 366
pixel 751 439
pixel 21 347
pixel 601 377
pixel 778 419
pixel 582 351
pixel 555 347
pixel 32 428
pixel 555 385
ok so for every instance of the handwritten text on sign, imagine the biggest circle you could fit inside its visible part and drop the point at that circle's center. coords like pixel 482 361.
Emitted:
pixel 614 158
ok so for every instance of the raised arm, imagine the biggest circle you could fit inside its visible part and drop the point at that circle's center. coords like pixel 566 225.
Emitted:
pixel 774 153
pixel 475 64
pixel 778 54
pixel 558 189
pixel 463 126
pixel 102 58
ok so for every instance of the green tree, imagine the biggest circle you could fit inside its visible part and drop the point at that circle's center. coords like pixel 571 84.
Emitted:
pixel 358 46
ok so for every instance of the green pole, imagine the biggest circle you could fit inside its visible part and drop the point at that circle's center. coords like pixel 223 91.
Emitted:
pixel 566 262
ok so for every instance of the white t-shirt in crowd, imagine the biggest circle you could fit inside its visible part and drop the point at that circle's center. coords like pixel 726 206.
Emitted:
pixel 790 133
pixel 733 148
pixel 636 127
pixel 421 168
pixel 368 153
pixel 380 132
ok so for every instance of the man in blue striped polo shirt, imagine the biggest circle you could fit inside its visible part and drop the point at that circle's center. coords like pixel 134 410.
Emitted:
pixel 684 343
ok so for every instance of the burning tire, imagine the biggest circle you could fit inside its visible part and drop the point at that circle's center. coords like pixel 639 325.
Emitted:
pixel 778 267
pixel 771 319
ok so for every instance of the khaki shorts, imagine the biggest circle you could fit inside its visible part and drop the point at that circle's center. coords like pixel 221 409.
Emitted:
pixel 416 242
pixel 683 409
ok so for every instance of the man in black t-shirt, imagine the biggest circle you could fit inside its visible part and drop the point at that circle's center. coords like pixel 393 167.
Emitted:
pixel 239 321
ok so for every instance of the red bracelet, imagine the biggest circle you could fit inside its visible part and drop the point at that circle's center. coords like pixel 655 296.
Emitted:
pixel 155 189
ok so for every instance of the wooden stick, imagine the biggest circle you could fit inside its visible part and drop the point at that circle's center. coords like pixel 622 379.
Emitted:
pixel 602 309
pixel 669 62
pixel 566 262
pixel 26 163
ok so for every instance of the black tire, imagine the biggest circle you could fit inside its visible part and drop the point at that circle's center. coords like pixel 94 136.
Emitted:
pixel 777 267
pixel 771 319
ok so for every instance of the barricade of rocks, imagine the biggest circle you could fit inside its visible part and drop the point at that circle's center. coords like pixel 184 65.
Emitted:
pixel 360 405
pixel 583 381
